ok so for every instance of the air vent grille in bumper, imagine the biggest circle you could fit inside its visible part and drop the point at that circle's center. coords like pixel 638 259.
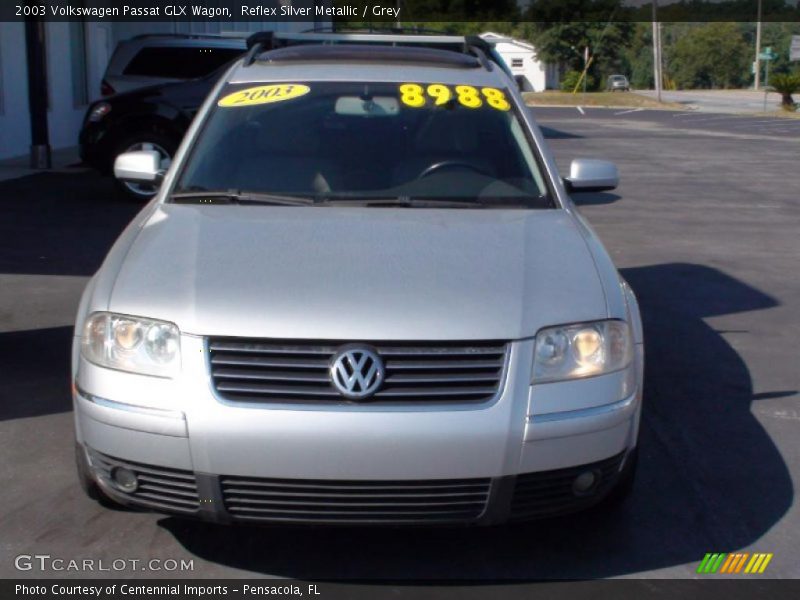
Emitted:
pixel 298 370
pixel 160 488
pixel 550 493
pixel 319 501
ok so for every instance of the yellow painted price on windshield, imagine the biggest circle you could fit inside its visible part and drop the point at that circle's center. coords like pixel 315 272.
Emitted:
pixel 415 95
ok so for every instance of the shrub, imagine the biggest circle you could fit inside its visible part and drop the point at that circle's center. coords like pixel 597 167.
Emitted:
pixel 570 80
pixel 786 85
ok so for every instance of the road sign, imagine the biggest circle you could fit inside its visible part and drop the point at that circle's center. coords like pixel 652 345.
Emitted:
pixel 767 54
pixel 794 51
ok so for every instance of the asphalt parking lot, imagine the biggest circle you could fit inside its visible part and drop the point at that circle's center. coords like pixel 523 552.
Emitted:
pixel 721 101
pixel 705 228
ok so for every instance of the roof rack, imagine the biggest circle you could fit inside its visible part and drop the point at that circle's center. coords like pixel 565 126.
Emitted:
pixel 226 35
pixel 473 45
pixel 374 29
pixel 256 43
pixel 349 53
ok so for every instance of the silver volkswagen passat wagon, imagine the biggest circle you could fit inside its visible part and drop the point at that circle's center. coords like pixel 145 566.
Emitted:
pixel 363 295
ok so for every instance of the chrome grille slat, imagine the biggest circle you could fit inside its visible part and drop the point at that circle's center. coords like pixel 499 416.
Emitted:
pixel 140 468
pixel 449 391
pixel 298 371
pixel 260 514
pixel 441 377
pixel 271 348
pixel 393 365
pixel 167 498
pixel 327 502
pixel 271 375
pixel 321 486
pixel 340 495
pixel 160 489
pixel 275 390
pixel 439 351
pixel 172 483
pixel 358 501
pixel 258 361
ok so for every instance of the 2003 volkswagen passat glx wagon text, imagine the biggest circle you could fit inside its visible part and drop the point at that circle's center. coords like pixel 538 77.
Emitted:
pixel 362 295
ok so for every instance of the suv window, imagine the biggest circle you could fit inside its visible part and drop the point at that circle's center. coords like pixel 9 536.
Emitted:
pixel 179 62
pixel 359 140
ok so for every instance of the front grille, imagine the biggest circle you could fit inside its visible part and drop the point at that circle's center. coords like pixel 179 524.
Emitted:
pixel 163 488
pixel 298 371
pixel 550 493
pixel 319 501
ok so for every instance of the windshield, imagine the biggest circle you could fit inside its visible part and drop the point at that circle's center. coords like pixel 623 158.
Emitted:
pixel 350 141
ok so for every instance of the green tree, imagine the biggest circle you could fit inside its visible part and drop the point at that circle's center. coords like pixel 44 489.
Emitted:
pixel 712 55
pixel 562 30
pixel 640 57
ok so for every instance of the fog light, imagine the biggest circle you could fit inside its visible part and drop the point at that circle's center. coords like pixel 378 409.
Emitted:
pixel 585 482
pixel 124 479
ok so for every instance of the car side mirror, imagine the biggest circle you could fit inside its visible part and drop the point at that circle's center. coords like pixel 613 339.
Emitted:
pixel 590 175
pixel 142 166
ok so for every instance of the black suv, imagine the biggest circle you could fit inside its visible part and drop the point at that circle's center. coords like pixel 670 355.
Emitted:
pixel 152 118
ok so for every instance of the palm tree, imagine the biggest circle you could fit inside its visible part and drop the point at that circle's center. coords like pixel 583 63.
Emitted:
pixel 786 85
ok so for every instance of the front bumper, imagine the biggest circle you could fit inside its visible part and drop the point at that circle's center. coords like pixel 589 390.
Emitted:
pixel 483 501
pixel 513 458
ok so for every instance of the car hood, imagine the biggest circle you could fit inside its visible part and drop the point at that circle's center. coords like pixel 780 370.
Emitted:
pixel 359 273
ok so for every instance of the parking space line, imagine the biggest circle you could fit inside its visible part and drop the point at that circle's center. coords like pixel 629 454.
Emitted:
pixel 580 110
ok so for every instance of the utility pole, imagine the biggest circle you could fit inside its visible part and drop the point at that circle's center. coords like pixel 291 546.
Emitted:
pixel 758 49
pixel 657 52
pixel 585 71
pixel 37 92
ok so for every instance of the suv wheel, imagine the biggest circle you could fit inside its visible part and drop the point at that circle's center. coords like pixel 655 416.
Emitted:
pixel 164 145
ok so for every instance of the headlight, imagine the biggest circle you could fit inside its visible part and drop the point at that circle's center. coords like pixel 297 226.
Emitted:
pixel 583 350
pixel 99 111
pixel 132 344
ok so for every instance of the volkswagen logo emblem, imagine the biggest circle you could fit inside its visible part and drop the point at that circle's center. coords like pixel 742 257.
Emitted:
pixel 357 372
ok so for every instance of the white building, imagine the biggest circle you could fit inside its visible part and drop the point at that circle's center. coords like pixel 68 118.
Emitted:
pixel 76 57
pixel 532 74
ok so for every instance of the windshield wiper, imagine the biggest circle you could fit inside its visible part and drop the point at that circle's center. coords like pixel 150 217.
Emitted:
pixel 429 202
pixel 264 198
pixel 506 201
pixel 402 201
pixel 238 197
